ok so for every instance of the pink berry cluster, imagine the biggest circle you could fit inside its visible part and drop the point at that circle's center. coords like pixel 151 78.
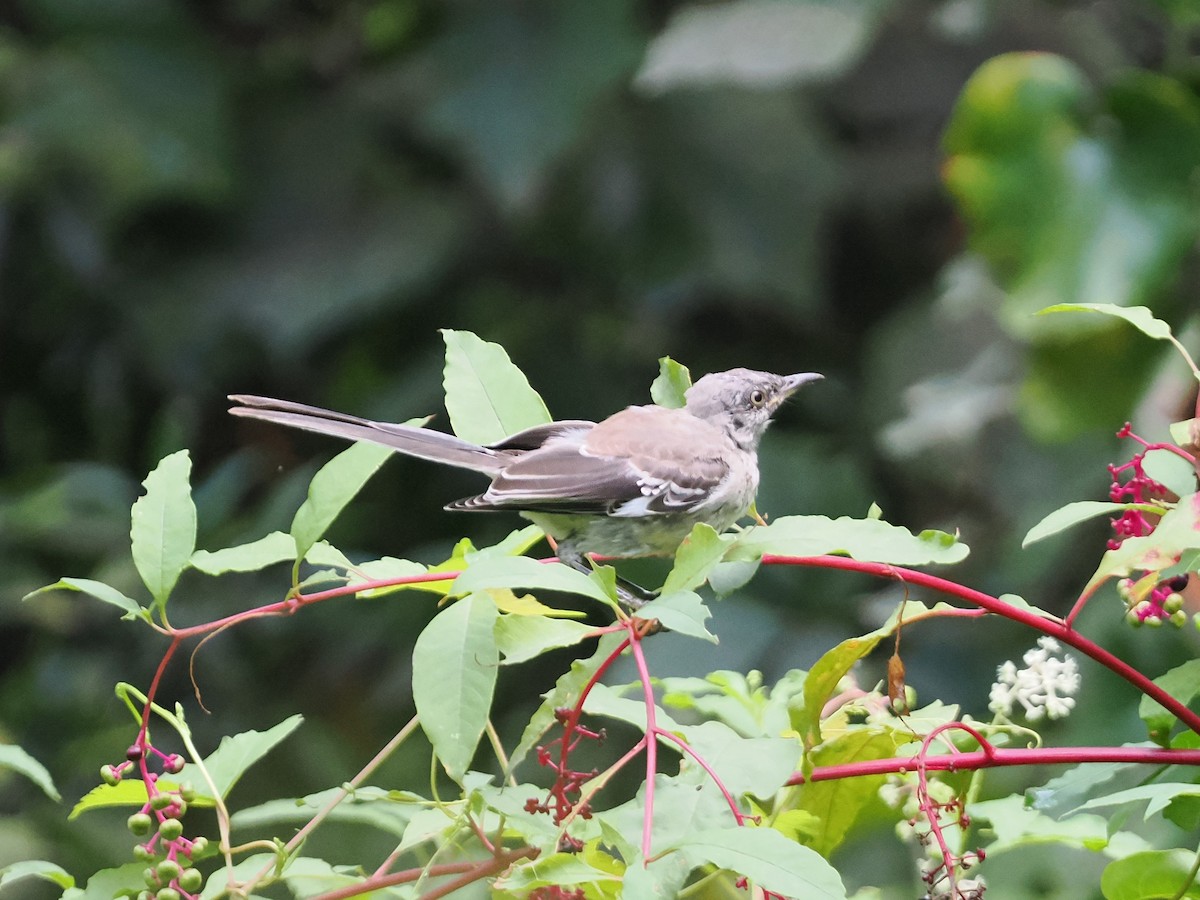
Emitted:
pixel 1163 602
pixel 169 873
pixel 1137 488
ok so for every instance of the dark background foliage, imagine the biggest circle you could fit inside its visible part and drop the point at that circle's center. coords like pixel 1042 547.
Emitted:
pixel 290 198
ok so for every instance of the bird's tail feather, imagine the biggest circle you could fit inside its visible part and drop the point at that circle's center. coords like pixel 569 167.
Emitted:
pixel 423 443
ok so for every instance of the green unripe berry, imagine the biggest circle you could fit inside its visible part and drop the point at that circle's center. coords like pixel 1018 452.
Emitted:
pixel 150 877
pixel 1179 618
pixel 146 895
pixel 109 775
pixel 1154 621
pixel 191 880
pixel 173 764
pixel 199 845
pixel 168 894
pixel 168 870
pixel 180 807
pixel 187 791
pixel 139 824
pixel 161 801
pixel 170 829
pixel 1172 604
pixel 1131 618
pixel 142 853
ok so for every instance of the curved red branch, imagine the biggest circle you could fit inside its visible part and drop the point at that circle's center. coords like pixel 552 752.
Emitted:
pixel 1054 627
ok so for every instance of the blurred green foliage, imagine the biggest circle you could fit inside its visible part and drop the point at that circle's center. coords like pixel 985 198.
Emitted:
pixel 290 196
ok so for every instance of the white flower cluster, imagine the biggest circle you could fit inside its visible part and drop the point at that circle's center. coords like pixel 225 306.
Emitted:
pixel 1045 687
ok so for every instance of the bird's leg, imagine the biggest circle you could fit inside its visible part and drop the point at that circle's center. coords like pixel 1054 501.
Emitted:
pixel 630 595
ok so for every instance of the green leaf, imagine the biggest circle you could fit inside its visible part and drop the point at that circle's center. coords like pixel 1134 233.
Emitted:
pixel 163 526
pixel 455 665
pixel 683 612
pixel 225 765
pixel 1157 797
pixel 1176 532
pixel 335 484
pixel 36 868
pixel 488 397
pixel 1067 791
pixel 520 638
pixel 868 540
pixel 1151 875
pixel 1015 827
pixel 834 664
pixel 237 753
pixel 13 757
pixel 1139 317
pixel 1182 683
pixel 757 765
pixel 669 389
pixel 768 859
pixel 96 589
pixel 1079 511
pixel 1186 433
pixel 522 572
pixel 696 557
pixel 275 547
pixel 841 802
pixel 106 884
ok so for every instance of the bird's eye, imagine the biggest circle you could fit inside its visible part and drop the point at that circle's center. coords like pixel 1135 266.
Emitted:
pixel 758 398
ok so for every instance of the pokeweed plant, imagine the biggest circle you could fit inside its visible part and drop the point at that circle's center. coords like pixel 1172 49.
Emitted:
pixel 744 786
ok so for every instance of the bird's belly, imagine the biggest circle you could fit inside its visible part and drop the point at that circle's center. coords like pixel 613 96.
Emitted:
pixel 620 536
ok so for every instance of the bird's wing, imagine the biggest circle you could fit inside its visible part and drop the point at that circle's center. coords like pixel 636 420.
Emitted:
pixel 642 461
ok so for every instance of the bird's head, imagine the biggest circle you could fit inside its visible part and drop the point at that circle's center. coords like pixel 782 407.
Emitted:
pixel 742 401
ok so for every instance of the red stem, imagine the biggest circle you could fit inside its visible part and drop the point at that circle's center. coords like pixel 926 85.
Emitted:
pixel 1055 627
pixel 997 757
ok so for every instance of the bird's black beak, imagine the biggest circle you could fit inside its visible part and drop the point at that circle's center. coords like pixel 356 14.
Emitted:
pixel 792 383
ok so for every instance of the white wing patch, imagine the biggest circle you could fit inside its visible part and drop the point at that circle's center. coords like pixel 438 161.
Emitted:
pixel 659 496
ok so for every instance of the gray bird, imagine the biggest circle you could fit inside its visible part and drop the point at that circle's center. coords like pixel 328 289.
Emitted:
pixel 632 485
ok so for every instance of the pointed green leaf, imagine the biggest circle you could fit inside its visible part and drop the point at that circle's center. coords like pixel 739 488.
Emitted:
pixel 1182 683
pixel 13 757
pixel 522 572
pixel 122 881
pixel 488 398
pixel 237 753
pixel 833 666
pixel 520 638
pixel 775 759
pixel 455 664
pixel 1139 317
pixel 36 868
pixel 1176 532
pixel 768 859
pixel 275 547
pixel 163 525
pixel 683 612
pixel 1150 875
pixel 96 589
pixel 670 387
pixel 870 540
pixel 1080 511
pixel 696 557
pixel 335 485
pixel 841 802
